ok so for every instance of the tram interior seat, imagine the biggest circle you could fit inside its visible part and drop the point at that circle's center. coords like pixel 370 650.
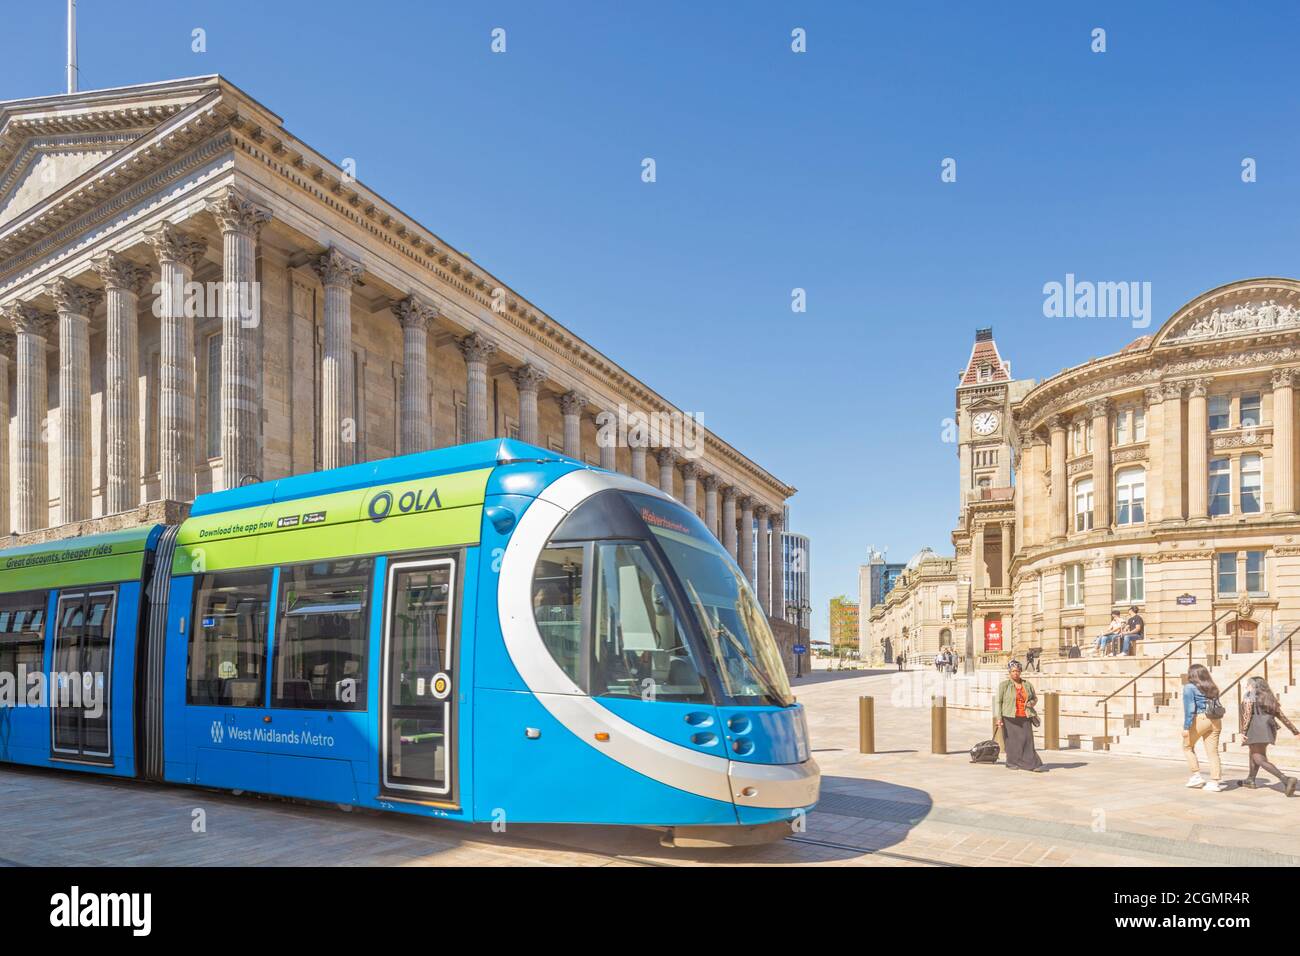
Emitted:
pixel 242 691
pixel 294 691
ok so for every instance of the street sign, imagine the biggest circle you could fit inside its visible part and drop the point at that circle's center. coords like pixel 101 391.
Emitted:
pixel 1186 599
pixel 801 649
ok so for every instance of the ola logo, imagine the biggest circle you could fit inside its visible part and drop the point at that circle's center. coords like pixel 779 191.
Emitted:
pixel 380 505
pixel 440 686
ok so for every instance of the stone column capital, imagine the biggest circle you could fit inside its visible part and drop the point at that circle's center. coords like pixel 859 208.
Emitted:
pixel 415 312
pixel 1198 387
pixel 476 347
pixel 1173 390
pixel 236 212
pixel 1058 423
pixel 120 274
pixel 170 244
pixel 72 298
pixel 337 268
pixel 1284 377
pixel 1099 408
pixel 667 457
pixel 29 320
pixel 528 377
pixel 746 502
pixel 711 482
pixel 776 519
pixel 690 470
pixel 728 492
pixel 572 403
pixel 1152 395
pixel 761 511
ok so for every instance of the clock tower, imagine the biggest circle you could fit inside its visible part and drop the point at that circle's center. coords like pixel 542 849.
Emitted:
pixel 984 397
pixel 985 540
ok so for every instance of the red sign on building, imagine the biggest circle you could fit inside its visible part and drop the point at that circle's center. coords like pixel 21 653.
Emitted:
pixel 992 634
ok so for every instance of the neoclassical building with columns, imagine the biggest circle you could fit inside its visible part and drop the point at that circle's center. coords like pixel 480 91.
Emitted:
pixel 1163 476
pixel 193 299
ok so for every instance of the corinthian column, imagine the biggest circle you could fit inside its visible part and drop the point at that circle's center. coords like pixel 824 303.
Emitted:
pixel 1100 412
pixel 241 222
pixel 1198 451
pixel 33 329
pixel 778 565
pixel 607 439
pixel 477 349
pixel 1171 428
pixel 338 274
pixel 7 343
pixel 667 462
pixel 711 502
pixel 638 462
pixel 75 304
pixel 528 379
pixel 571 406
pixel 177 254
pixel 416 316
pixel 1060 482
pixel 764 561
pixel 729 521
pixel 689 472
pixel 123 280
pixel 745 544
pixel 1284 441
pixel 1153 398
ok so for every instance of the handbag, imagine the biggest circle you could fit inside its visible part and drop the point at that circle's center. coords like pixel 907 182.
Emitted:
pixel 1214 709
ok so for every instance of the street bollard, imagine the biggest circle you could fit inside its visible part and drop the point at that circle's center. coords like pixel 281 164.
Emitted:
pixel 867 725
pixel 938 725
pixel 1051 720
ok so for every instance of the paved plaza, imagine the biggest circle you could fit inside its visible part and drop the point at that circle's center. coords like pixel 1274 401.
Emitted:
pixel 901 806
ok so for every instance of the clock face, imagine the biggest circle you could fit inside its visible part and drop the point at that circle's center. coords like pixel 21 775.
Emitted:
pixel 985 423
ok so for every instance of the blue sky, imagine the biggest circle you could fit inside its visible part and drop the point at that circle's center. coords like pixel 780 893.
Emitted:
pixel 778 171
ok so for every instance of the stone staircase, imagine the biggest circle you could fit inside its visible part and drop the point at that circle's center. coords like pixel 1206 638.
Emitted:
pixel 1154 726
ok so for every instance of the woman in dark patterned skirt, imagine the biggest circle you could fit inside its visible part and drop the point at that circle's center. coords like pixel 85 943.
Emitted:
pixel 1013 708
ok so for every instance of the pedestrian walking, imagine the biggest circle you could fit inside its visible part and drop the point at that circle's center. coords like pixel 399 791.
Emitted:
pixel 1202 720
pixel 1260 713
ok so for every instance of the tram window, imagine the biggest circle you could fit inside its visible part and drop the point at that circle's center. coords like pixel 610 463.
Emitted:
pixel 639 647
pixel 22 634
pixel 557 606
pixel 321 636
pixel 227 666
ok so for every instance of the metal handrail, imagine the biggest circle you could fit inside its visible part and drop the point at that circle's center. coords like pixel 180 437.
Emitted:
pixel 1189 644
pixel 1263 659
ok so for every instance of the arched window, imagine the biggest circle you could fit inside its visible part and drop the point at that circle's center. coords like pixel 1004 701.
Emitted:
pixel 1130 496
pixel 1083 505
pixel 1252 484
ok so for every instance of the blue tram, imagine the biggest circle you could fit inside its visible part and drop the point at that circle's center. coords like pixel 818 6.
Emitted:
pixel 491 632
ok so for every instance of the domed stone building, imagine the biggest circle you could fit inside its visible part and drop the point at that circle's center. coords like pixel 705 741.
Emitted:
pixel 917 616
pixel 1162 476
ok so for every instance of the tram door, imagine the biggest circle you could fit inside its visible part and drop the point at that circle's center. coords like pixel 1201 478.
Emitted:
pixel 419 683
pixel 82 685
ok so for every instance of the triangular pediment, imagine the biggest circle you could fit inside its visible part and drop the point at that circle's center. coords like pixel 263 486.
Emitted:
pixel 49 142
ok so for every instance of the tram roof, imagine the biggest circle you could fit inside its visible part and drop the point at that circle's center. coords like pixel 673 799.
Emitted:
pixel 439 461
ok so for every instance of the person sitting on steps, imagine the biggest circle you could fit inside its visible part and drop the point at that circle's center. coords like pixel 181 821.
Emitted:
pixel 1132 630
pixel 1110 634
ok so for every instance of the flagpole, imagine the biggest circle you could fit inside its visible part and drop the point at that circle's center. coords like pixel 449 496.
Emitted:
pixel 72 46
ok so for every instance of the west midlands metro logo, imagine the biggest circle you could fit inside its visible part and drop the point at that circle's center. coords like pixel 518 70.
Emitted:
pixel 218 732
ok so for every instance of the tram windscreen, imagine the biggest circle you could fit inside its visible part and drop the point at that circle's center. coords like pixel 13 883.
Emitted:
pixel 735 628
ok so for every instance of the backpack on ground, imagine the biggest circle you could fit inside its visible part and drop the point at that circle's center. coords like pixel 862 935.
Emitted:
pixel 986 751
